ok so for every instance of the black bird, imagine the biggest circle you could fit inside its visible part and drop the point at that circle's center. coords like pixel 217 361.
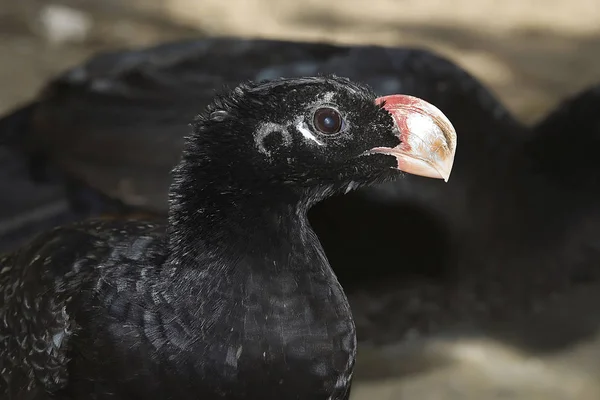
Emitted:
pixel 232 298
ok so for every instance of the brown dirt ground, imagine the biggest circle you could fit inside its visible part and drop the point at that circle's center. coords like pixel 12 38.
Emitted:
pixel 531 53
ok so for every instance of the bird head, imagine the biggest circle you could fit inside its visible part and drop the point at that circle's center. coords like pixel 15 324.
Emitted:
pixel 326 131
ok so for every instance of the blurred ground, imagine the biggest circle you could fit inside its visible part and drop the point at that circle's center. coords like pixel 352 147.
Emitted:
pixel 531 53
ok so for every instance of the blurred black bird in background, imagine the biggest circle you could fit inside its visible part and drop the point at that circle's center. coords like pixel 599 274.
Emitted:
pixel 517 222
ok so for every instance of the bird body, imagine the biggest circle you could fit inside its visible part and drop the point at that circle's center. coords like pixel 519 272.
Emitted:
pixel 140 327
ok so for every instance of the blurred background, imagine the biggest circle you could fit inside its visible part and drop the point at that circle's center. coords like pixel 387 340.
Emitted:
pixel 530 53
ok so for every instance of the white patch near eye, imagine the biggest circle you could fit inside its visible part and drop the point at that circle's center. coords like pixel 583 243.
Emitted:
pixel 303 129
pixel 264 130
pixel 327 97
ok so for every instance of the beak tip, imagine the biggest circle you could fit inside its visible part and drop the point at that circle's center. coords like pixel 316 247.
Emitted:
pixel 446 170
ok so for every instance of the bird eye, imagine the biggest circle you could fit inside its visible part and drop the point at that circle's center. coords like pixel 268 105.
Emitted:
pixel 328 120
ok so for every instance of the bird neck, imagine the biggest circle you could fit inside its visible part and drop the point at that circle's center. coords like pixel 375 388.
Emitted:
pixel 252 281
pixel 236 218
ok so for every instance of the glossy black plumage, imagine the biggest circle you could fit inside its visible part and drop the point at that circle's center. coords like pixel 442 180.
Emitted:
pixel 234 297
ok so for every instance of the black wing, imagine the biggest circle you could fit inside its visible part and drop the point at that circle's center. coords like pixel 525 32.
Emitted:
pixel 45 286
pixel 25 206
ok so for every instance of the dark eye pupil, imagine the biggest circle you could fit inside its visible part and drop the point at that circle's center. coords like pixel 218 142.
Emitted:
pixel 328 120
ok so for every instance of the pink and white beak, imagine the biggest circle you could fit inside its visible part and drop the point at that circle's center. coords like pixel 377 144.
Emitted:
pixel 428 139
